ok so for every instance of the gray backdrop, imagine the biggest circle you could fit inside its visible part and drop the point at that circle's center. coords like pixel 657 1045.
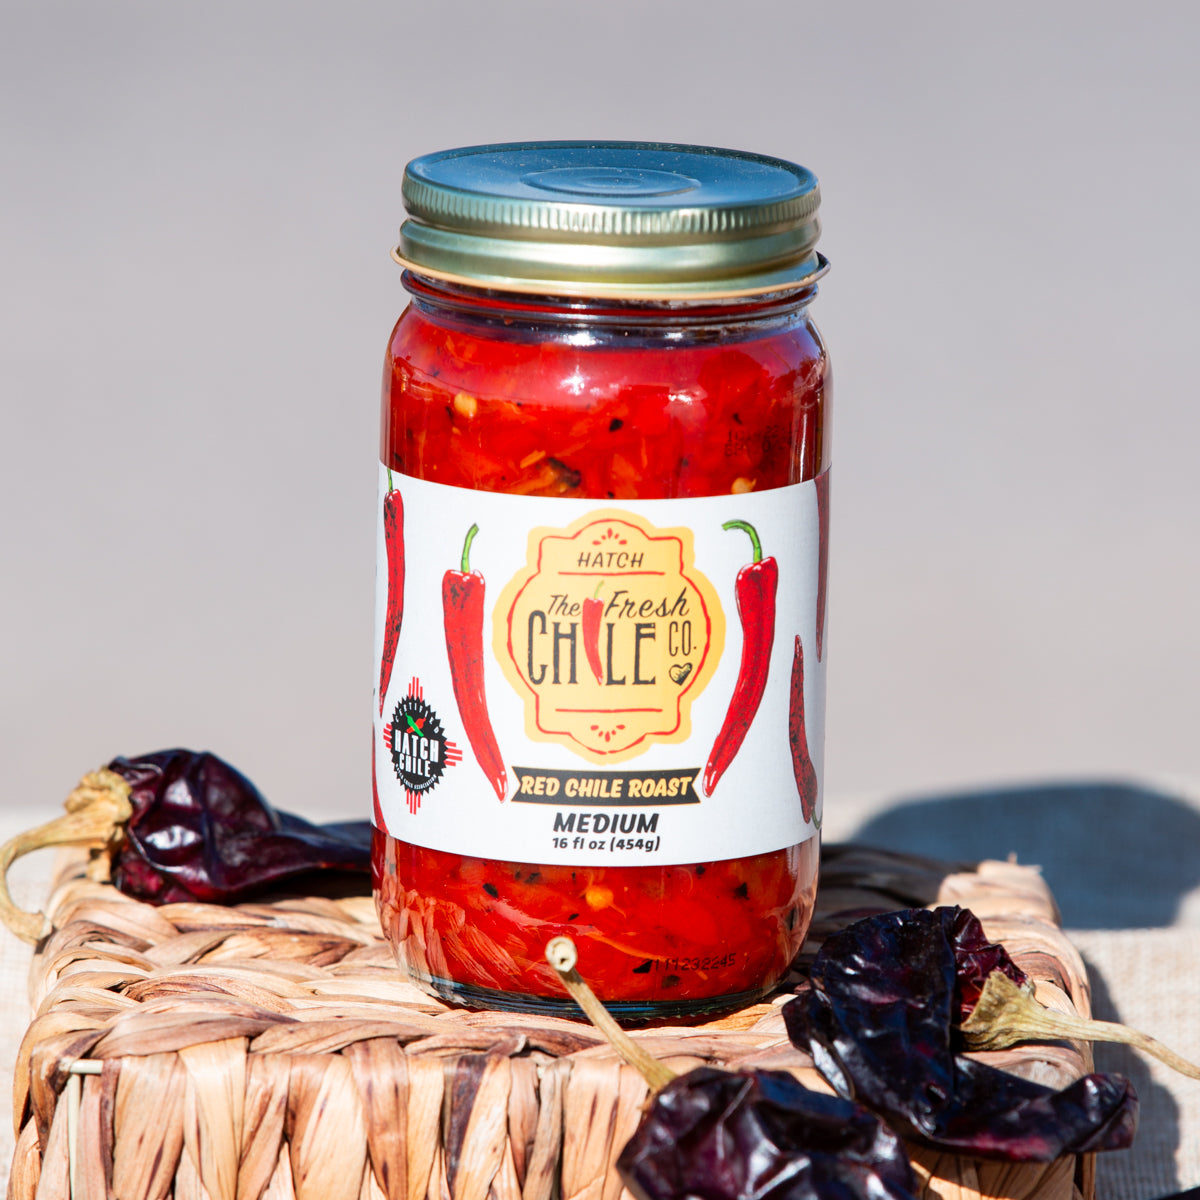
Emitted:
pixel 198 203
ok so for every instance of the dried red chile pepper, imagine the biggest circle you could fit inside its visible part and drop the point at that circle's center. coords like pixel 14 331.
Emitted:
pixel 178 825
pixel 755 589
pixel 730 1135
pixel 975 958
pixel 201 830
pixel 879 1023
pixel 393 539
pixel 462 605
pixel 726 1135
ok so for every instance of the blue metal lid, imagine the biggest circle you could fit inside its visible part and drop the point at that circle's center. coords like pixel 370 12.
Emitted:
pixel 620 219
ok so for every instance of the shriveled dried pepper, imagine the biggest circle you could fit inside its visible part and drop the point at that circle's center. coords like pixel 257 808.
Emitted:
pixel 755 589
pixel 802 763
pixel 879 1023
pixel 181 825
pixel 975 960
pixel 462 607
pixel 727 1135
pixel 393 539
pixel 730 1135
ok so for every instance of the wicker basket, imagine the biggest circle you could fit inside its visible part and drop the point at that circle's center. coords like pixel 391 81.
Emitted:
pixel 273 1050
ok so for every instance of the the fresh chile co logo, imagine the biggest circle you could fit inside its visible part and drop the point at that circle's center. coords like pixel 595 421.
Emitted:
pixel 420 750
pixel 609 632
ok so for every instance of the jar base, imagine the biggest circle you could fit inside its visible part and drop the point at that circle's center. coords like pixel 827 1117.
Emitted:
pixel 627 1012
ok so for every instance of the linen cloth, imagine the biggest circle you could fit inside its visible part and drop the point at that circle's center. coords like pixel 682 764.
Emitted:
pixel 1148 978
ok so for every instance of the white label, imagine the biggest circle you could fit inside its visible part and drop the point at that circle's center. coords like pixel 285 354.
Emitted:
pixel 583 691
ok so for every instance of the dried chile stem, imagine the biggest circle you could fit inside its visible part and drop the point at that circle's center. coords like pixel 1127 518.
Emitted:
pixel 562 955
pixel 97 811
pixel 1007 1013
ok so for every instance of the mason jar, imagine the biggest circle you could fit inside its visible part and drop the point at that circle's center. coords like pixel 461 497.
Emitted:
pixel 603 538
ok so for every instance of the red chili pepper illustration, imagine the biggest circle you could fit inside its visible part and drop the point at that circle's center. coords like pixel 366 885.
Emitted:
pixel 755 589
pixel 802 764
pixel 393 540
pixel 462 608
pixel 593 610
pixel 822 482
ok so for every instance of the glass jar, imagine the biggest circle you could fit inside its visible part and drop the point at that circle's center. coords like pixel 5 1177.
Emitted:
pixel 600 687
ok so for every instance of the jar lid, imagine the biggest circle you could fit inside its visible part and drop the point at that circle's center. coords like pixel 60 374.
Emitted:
pixel 640 220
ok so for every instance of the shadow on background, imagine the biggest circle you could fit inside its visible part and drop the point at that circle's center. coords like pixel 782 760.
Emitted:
pixel 1116 856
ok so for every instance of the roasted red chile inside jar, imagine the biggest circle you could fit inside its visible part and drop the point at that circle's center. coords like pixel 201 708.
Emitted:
pixel 501 393
pixel 607 400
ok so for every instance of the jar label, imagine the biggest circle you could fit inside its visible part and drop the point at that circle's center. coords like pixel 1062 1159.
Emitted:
pixel 627 683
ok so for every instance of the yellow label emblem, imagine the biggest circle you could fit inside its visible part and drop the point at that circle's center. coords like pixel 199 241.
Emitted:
pixel 609 633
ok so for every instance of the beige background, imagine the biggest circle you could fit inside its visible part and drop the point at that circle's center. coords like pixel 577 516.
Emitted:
pixel 196 208
pixel 198 203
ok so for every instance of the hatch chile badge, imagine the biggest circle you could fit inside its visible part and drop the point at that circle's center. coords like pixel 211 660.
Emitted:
pixel 609 633
pixel 420 750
